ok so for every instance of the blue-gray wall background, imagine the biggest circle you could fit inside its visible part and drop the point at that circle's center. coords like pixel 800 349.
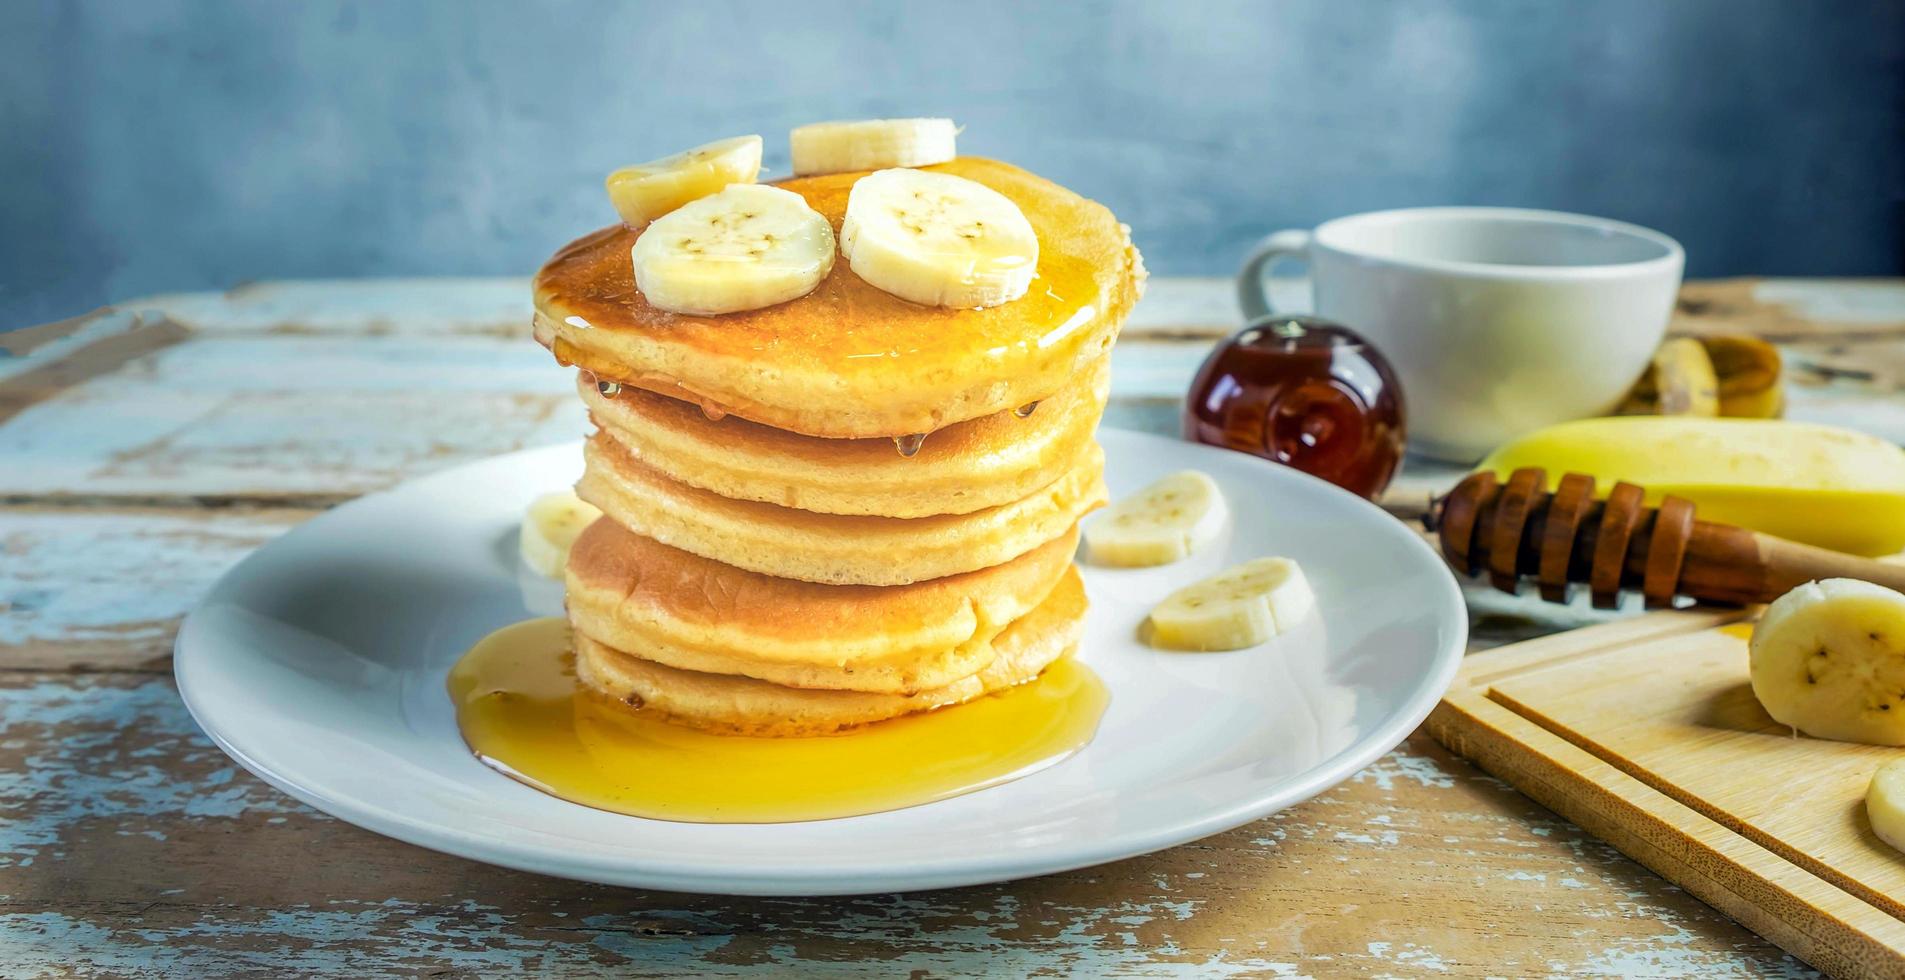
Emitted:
pixel 151 145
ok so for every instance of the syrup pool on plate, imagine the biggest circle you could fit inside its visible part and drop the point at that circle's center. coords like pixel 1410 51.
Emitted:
pixel 522 712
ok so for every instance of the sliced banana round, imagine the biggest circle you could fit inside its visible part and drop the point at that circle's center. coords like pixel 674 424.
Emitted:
pixel 550 528
pixel 1828 658
pixel 647 191
pixel 742 248
pixel 1237 608
pixel 1160 524
pixel 1885 803
pixel 871 144
pixel 938 240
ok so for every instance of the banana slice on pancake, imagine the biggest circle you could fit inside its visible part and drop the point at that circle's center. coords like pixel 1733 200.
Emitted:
pixel 744 247
pixel 647 191
pixel 871 144
pixel 938 240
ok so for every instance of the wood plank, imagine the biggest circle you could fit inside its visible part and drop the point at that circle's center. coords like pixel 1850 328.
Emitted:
pixel 1777 900
pixel 134 846
pixel 308 418
pixel 18 343
pixel 1697 732
pixel 1792 309
pixel 104 590
pixel 1647 734
pixel 1586 641
pixel 81 355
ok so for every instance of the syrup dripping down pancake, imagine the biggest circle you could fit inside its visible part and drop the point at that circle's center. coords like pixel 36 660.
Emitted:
pixel 848 360
pixel 980 463
pixel 834 549
pixel 743 706
pixel 685 611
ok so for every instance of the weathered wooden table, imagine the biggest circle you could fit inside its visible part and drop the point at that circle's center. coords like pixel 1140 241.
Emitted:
pixel 144 451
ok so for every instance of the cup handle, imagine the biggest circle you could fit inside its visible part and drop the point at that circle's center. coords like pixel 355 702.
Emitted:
pixel 1291 243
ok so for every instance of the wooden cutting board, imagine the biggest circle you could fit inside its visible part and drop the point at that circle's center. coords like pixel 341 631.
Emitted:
pixel 1646 733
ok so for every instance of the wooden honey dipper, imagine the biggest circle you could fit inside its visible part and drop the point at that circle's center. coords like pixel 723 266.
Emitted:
pixel 1518 529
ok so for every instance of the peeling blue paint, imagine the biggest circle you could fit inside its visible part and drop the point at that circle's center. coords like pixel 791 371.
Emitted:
pixel 86 773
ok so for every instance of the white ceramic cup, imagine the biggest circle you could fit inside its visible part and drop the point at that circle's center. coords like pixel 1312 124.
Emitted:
pixel 1497 320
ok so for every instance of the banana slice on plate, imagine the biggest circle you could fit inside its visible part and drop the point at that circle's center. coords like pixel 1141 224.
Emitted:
pixel 937 239
pixel 742 248
pixel 871 144
pixel 1828 658
pixel 1237 608
pixel 647 191
pixel 1160 524
pixel 1885 803
pixel 550 528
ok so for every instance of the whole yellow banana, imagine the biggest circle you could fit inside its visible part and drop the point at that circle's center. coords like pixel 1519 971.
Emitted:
pixel 1818 484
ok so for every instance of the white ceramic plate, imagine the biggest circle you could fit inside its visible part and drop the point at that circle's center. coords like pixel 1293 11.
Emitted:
pixel 319 661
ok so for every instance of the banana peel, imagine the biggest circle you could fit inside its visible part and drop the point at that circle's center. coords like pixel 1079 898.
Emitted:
pixel 1728 376
pixel 1685 382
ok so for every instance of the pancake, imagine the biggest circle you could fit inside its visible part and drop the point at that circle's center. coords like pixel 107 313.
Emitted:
pixel 848 360
pixel 834 549
pixel 984 462
pixel 743 706
pixel 666 605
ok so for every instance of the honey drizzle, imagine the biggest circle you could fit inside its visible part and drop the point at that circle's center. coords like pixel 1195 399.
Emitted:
pixel 598 366
pixel 1065 308
pixel 522 713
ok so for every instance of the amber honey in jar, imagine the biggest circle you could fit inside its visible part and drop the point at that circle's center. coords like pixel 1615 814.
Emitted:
pixel 1304 392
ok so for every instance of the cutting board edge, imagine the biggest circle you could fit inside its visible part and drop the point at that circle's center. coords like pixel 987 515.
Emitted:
pixel 1488 666
pixel 1833 930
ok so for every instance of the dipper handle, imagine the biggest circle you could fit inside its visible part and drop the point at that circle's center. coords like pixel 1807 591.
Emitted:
pixel 1567 537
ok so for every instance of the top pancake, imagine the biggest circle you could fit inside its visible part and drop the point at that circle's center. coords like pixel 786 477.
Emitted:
pixel 848 360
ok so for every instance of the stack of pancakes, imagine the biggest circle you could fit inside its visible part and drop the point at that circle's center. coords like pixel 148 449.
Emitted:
pixel 846 507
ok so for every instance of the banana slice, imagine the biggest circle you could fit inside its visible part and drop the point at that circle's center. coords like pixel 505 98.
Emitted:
pixel 742 248
pixel 871 144
pixel 1160 524
pixel 550 527
pixel 1885 803
pixel 647 191
pixel 1828 658
pixel 938 240
pixel 1237 608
